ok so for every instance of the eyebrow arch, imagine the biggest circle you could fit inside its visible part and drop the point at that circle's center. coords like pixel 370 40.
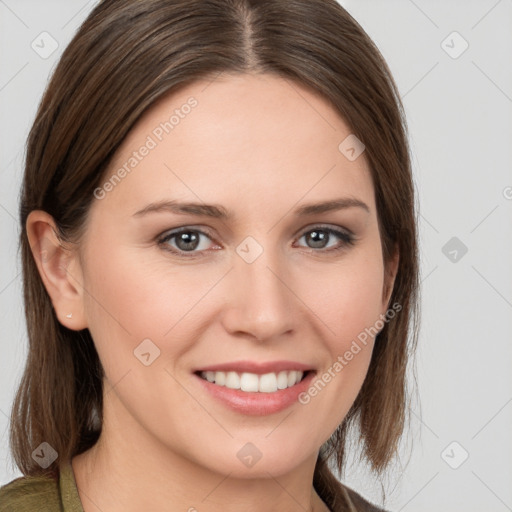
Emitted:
pixel 329 206
pixel 219 212
pixel 206 210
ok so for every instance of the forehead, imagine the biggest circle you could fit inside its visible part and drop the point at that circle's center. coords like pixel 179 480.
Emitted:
pixel 239 140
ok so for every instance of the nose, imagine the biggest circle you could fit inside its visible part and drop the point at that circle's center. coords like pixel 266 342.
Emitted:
pixel 260 303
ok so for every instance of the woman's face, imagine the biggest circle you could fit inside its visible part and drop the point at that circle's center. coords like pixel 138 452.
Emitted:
pixel 253 279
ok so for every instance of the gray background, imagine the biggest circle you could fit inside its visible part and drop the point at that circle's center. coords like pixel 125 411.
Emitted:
pixel 459 106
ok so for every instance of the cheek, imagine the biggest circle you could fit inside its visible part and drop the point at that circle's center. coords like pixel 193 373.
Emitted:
pixel 135 299
pixel 349 302
pixel 132 298
pixel 348 297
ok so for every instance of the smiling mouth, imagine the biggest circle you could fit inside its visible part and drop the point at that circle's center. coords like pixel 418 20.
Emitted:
pixel 253 382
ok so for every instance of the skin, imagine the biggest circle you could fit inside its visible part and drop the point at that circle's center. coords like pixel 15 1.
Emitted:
pixel 260 146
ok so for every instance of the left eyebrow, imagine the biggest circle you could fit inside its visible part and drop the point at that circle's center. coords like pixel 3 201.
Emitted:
pixel 329 206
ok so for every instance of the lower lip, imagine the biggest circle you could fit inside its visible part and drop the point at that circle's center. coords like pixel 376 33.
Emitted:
pixel 257 403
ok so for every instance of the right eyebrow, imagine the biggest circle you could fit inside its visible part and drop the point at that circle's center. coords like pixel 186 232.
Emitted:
pixel 200 209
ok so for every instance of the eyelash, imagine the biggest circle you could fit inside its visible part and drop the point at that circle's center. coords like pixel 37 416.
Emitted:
pixel 347 240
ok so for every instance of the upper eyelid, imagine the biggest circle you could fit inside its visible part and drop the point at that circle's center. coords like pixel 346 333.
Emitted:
pixel 327 227
pixel 177 231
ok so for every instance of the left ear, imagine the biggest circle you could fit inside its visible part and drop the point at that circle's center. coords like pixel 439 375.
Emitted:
pixel 390 271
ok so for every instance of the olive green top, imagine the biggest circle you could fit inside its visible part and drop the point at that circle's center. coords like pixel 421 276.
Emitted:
pixel 42 493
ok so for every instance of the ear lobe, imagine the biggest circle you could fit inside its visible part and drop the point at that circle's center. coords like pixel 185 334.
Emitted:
pixel 390 271
pixel 59 269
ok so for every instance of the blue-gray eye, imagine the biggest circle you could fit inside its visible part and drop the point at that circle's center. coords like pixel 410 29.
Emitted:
pixel 320 238
pixel 186 240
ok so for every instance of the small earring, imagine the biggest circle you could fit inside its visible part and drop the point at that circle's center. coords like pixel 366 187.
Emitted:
pixel 69 315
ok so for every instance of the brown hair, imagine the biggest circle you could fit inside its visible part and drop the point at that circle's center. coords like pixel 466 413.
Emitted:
pixel 126 55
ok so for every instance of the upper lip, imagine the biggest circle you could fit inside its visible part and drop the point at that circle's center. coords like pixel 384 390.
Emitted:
pixel 255 367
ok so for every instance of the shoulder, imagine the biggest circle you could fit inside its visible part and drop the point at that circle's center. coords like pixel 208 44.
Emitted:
pixel 28 493
pixel 359 503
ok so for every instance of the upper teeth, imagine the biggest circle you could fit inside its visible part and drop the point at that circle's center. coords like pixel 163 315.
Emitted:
pixel 266 383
